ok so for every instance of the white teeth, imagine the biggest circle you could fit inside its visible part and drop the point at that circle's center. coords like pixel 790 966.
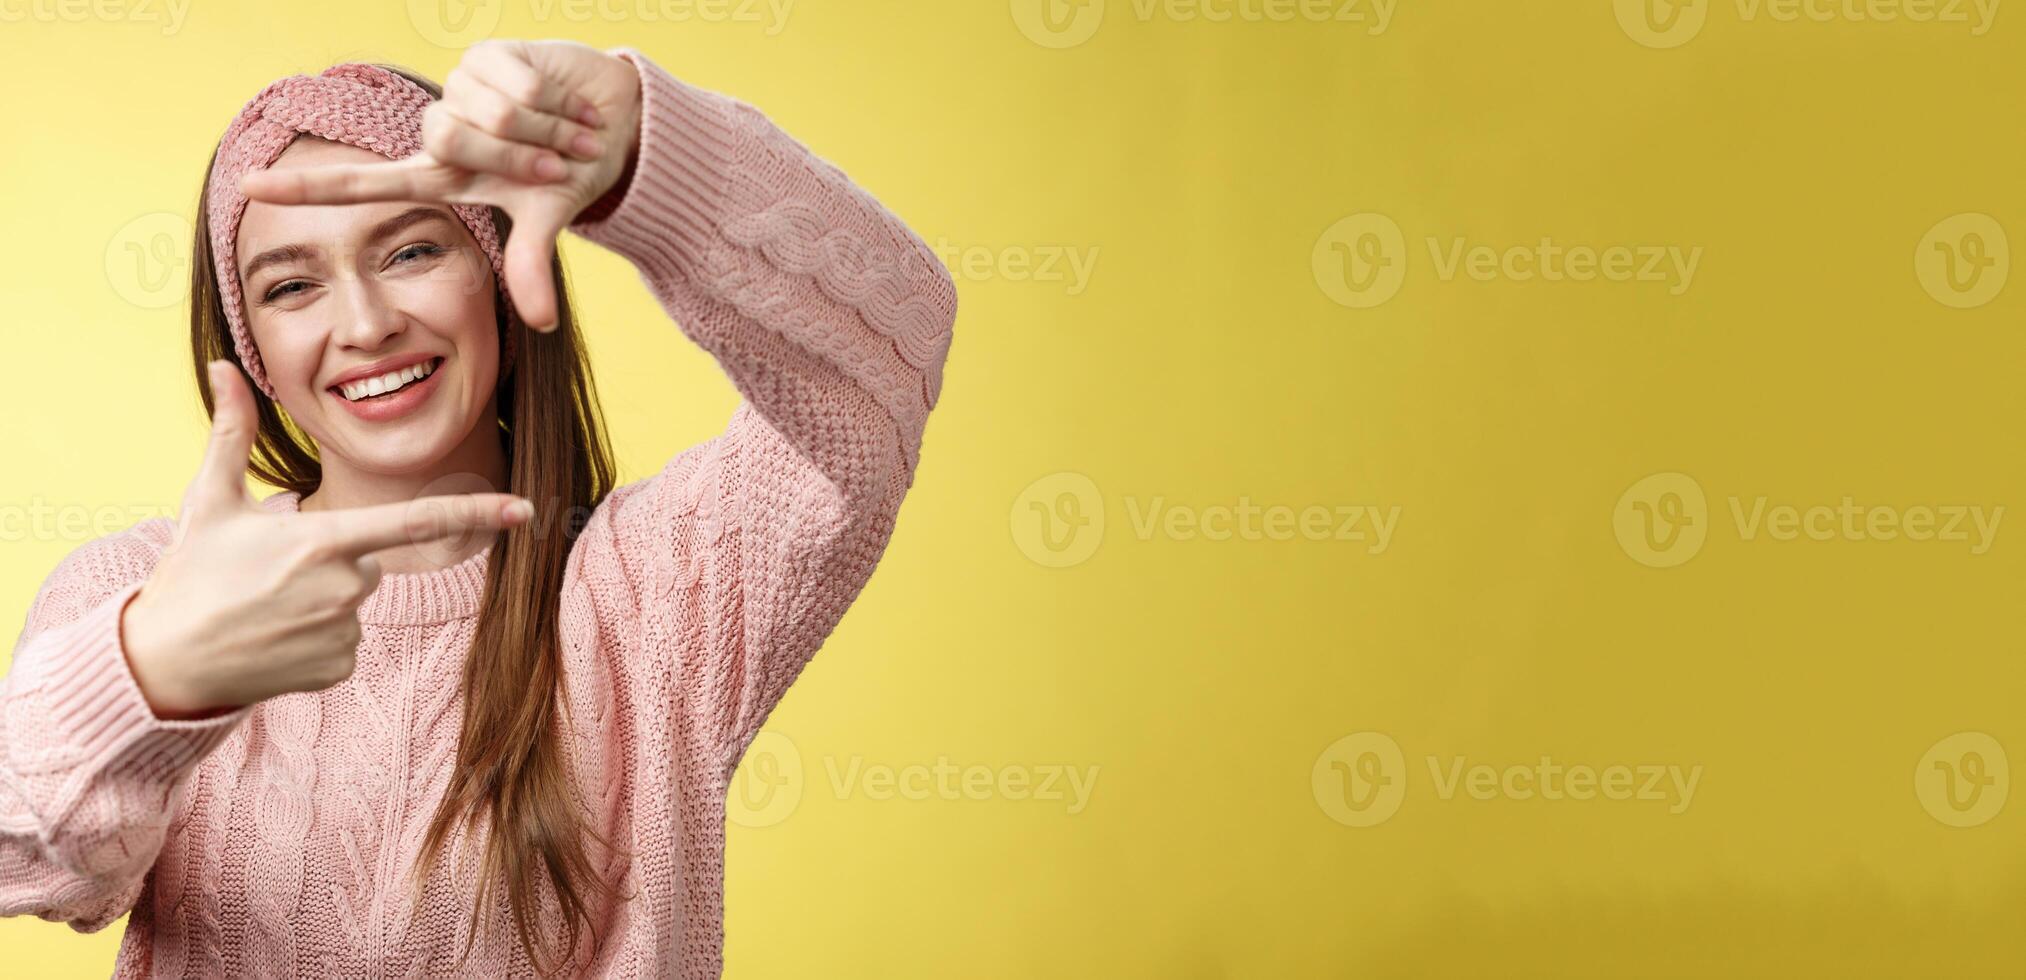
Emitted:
pixel 355 390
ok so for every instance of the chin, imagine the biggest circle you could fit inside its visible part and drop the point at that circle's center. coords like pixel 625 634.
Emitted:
pixel 404 463
pixel 399 448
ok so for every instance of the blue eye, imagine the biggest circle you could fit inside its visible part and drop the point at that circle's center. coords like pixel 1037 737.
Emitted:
pixel 417 251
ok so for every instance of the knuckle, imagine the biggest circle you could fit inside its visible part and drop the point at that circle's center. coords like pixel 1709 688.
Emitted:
pixel 307 552
pixel 499 115
pixel 439 134
pixel 324 548
pixel 332 611
pixel 529 90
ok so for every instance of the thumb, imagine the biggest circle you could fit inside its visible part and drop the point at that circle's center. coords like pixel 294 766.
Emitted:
pixel 529 249
pixel 220 483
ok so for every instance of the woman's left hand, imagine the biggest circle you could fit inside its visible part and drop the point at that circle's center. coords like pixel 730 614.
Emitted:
pixel 539 128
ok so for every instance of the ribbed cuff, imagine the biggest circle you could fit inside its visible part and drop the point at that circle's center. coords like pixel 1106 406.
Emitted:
pixel 94 709
pixel 671 207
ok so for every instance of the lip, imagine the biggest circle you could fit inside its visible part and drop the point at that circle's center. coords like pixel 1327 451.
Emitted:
pixel 386 408
pixel 380 367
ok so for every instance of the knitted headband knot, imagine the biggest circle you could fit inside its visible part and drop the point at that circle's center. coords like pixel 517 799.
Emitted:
pixel 364 105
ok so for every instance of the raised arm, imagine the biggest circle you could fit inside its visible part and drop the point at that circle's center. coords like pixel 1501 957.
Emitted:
pixel 833 320
pixel 88 773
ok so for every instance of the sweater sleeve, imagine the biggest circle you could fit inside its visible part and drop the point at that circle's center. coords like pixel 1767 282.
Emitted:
pixel 88 773
pixel 832 320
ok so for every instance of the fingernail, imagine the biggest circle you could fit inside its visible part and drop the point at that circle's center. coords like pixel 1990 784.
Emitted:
pixel 549 168
pixel 587 145
pixel 521 510
pixel 589 115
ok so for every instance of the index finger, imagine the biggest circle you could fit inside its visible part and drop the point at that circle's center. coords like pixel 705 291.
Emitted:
pixel 411 179
pixel 360 532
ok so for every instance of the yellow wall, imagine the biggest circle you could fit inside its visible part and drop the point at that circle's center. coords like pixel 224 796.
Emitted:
pixel 1583 476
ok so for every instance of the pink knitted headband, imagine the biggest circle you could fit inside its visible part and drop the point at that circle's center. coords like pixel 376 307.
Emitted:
pixel 363 105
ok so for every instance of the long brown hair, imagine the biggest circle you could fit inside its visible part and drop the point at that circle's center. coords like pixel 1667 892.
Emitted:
pixel 511 767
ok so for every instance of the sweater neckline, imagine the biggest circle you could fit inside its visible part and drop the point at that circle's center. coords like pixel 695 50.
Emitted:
pixel 414 598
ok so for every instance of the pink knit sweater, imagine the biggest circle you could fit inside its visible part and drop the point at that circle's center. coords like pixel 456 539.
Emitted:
pixel 276 840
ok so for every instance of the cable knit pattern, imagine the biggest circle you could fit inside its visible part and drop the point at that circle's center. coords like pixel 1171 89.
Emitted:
pixel 276 840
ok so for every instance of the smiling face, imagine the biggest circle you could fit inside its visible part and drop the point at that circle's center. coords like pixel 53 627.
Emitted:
pixel 337 295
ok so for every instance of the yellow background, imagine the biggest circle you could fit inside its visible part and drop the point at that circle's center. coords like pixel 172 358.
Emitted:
pixel 1201 164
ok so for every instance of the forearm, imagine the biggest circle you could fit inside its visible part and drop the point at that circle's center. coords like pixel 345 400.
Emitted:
pixel 87 771
pixel 833 321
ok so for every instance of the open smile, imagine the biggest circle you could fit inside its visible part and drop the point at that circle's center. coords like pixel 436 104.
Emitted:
pixel 392 395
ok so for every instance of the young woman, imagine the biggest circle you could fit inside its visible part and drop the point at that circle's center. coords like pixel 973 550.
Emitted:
pixel 449 702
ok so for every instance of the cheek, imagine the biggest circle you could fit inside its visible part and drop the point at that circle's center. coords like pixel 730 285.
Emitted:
pixel 456 306
pixel 291 352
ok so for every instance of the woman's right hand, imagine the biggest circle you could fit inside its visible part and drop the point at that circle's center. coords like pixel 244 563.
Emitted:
pixel 248 603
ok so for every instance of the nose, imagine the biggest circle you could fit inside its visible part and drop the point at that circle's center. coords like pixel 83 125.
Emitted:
pixel 369 319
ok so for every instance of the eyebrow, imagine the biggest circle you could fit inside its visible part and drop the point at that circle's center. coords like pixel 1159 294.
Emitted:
pixel 301 253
